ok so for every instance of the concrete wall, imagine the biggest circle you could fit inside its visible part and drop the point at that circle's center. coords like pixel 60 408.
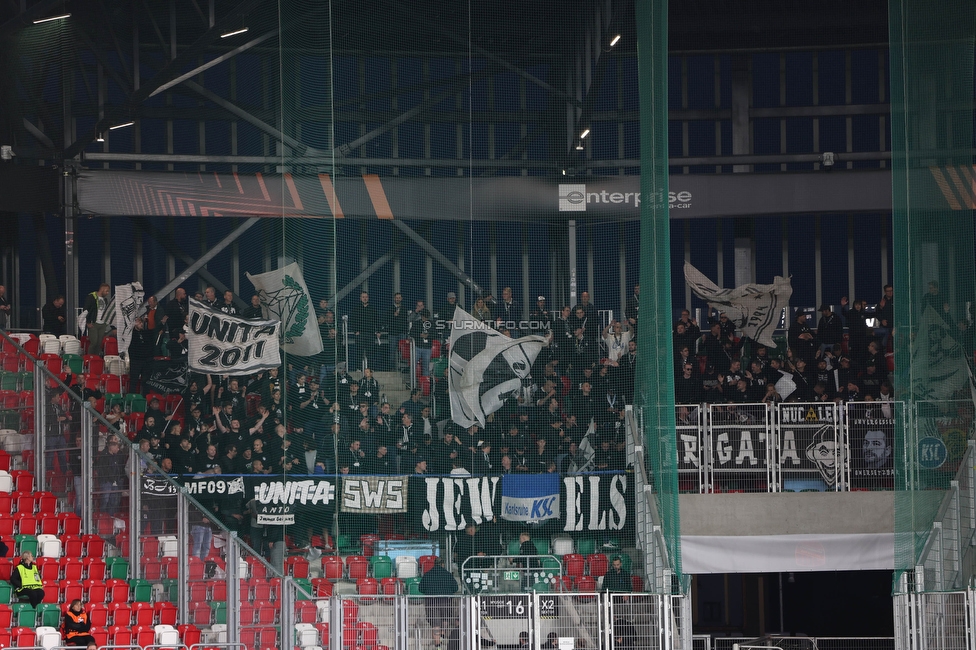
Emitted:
pixel 787 513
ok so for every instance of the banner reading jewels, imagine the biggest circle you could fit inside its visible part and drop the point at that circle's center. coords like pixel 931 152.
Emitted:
pixel 585 503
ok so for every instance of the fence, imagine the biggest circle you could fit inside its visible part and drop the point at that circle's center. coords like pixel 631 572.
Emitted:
pixel 796 447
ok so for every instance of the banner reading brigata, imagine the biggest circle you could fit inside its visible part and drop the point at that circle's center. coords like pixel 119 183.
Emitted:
pixel 223 344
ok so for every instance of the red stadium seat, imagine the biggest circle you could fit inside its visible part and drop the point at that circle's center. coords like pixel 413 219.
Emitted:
pixel 322 587
pixel 261 589
pixel 97 614
pixel 586 584
pixel 6 616
pixel 7 526
pixel 72 569
pixel 296 566
pixel 118 590
pixel 69 590
pixel 143 635
pixel 152 569
pixel 94 546
pixel 198 592
pixel 350 613
pixel 189 634
pixel 49 525
pixel 200 613
pixel 218 590
pixel 23 637
pixel 598 564
pixel 46 504
pixel 101 635
pixel 142 613
pixel 265 613
pixel 245 614
pixel 426 563
pixel 258 569
pixel 70 524
pixel 49 568
pixel 93 364
pixel 574 564
pixel 331 566
pixel 23 480
pixel 367 586
pixel 306 611
pixel 110 347
pixel 358 567
pixel 323 629
pixel 95 590
pixel 366 634
pixel 26 523
pixel 120 613
pixel 390 586
pixel 71 547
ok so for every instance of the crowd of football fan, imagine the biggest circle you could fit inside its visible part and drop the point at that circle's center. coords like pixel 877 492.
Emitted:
pixel 315 417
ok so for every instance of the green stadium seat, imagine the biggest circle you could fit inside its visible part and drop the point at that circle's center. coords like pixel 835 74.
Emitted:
pixel 113 398
pixel 219 613
pixel 9 381
pixel 513 546
pixel 134 403
pixel 382 566
pixel 26 381
pixel 412 586
pixel 24 615
pixel 542 546
pixel 48 614
pixel 23 543
pixel 305 584
pixel 73 362
pixel 586 546
pixel 6 591
pixel 140 591
pixel 541 586
pixel 117 567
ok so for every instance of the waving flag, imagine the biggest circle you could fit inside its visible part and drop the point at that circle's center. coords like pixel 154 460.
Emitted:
pixel 754 308
pixel 284 297
pixel 487 367
pixel 128 300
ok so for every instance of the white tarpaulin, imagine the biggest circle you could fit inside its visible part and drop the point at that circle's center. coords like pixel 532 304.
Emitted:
pixel 754 308
pixel 486 368
pixel 775 553
pixel 284 297
pixel 220 344
pixel 128 300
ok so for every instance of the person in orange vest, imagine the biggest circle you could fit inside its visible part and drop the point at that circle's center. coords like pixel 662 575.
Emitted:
pixel 75 626
pixel 26 580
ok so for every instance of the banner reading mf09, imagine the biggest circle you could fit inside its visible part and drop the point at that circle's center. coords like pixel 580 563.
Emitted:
pixel 222 344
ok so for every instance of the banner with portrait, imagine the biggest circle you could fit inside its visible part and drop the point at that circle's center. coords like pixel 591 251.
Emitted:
pixel 871 440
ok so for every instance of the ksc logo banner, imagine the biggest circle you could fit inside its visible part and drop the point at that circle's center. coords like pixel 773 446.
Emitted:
pixel 530 497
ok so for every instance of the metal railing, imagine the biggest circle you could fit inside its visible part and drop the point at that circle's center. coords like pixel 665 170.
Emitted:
pixel 791 447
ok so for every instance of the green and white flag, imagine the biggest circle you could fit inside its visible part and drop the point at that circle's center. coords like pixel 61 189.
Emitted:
pixel 941 368
pixel 284 297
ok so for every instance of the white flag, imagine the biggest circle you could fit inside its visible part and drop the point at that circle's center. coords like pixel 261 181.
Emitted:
pixel 220 344
pixel 128 300
pixel 486 368
pixel 754 308
pixel 284 297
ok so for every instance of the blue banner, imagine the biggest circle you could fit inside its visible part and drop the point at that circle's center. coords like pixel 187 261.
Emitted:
pixel 530 497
